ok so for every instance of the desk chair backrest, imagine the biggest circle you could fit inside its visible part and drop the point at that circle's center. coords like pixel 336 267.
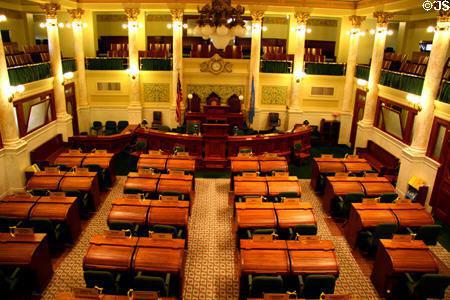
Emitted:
pixel 388 198
pixel 431 286
pixel 265 284
pixel 101 279
pixel 428 234
pixel 315 285
pixel 385 231
pixel 305 229
pixel 150 283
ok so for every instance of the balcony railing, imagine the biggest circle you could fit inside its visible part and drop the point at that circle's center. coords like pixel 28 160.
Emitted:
pixel 29 73
pixel 333 69
pixel 106 63
pixel 444 95
pixel 276 66
pixel 362 72
pixel 156 64
pixel 69 65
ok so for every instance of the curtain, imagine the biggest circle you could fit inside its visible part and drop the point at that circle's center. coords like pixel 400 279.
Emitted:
pixel 362 72
pixel 69 65
pixel 28 73
pixel 445 93
pixel 325 69
pixel 106 63
pixel 156 64
pixel 403 82
pixel 270 66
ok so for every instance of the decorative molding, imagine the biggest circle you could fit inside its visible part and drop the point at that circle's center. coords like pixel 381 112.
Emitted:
pixel 156 92
pixel 257 15
pixel 76 13
pixel 322 22
pixel 443 16
pixel 382 18
pixel 274 95
pixel 50 9
pixel 132 13
pixel 276 20
pixel 224 91
pixel 112 18
pixel 11 14
pixel 301 18
pixel 216 65
pixel 177 14
pixel 356 20
pixel 159 18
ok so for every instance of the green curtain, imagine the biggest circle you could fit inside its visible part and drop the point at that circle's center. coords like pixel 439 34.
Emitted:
pixel 275 66
pixel 403 82
pixel 325 69
pixel 156 64
pixel 445 93
pixel 30 73
pixel 362 72
pixel 106 63
pixel 69 65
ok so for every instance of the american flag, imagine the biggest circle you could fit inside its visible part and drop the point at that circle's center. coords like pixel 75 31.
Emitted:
pixel 179 99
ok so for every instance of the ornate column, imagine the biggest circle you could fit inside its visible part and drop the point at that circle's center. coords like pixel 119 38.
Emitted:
pixel 295 104
pixel 346 114
pixel 64 120
pixel 135 105
pixel 177 64
pixel 255 57
pixel 78 45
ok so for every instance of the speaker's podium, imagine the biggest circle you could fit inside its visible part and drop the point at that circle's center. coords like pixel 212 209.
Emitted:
pixel 215 137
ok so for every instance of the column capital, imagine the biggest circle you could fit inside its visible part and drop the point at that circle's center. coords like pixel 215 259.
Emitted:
pixel 50 9
pixel 382 18
pixel 302 18
pixel 443 20
pixel 356 20
pixel 76 13
pixel 177 14
pixel 257 15
pixel 132 13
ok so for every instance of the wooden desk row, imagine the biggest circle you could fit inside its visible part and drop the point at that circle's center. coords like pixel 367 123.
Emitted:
pixel 288 257
pixel 266 186
pixel 74 159
pixel 58 209
pixel 70 296
pixel 135 254
pixel 157 183
pixel 166 162
pixel 364 216
pixel 67 181
pixel 29 252
pixel 149 212
pixel 260 163
pixel 273 215
pixel 332 165
pixel 340 186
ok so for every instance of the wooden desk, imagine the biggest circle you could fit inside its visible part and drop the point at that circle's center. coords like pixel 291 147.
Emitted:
pixel 412 215
pixel 248 188
pixel 274 245
pixel 313 257
pixel 181 163
pixel 182 184
pixel 30 252
pixel 268 165
pixel 16 210
pixel 364 216
pixel 338 188
pixel 70 160
pixel 245 205
pixel 395 258
pixel 111 254
pixel 104 161
pixel 157 163
pixel 156 259
pixel 375 189
pixel 322 165
pixel 161 243
pixel 129 214
pixel 357 167
pixel 70 296
pixel 256 218
pixel 44 182
pixel 16 198
pixel 141 183
pixel 274 262
pixel 59 210
pixel 277 185
pixel 290 217
pixel 244 165
pixel 82 182
pixel 177 216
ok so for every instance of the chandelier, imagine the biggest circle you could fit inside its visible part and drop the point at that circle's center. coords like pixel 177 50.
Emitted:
pixel 220 22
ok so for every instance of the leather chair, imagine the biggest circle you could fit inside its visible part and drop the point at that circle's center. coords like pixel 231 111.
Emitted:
pixel 234 103
pixel 274 120
pixel 136 191
pixel 260 284
pixel 121 125
pixel 213 99
pixel 312 286
pixel 157 119
pixel 280 196
pixel 342 205
pixel 104 180
pixel 12 281
pixel 173 193
pixel 428 286
pixel 388 198
pixel 110 128
pixel 368 239
pixel 304 229
pixel 105 280
pixel 83 201
pixel 176 232
pixel 97 126
pixel 7 222
pixel 427 233
pixel 194 103
pixel 40 192
pixel 134 229
pixel 251 232
pixel 152 283
pixel 178 148
pixel 55 231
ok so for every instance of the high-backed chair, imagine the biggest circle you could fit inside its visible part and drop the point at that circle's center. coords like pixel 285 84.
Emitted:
pixel 368 239
pixel 97 126
pixel 304 229
pixel 194 103
pixel 274 120
pixel 12 281
pixel 388 198
pixel 342 205
pixel 134 229
pixel 106 280
pixel 161 285
pixel 427 233
pixel 157 119
pixel 234 103
pixel 428 286
pixel 312 286
pixel 121 125
pixel 110 127
pixel 160 228
pixel 213 99
pixel 55 231
pixel 260 284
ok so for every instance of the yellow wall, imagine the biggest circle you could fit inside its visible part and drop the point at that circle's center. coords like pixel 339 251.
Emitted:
pixel 416 32
pixel 16 29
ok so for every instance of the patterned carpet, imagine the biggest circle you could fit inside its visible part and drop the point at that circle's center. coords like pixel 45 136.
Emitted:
pixel 210 266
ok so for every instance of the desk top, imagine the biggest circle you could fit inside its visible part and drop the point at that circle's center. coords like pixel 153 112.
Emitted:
pixel 140 183
pixel 168 215
pixel 152 162
pixel 52 211
pixel 413 217
pixel 310 245
pixel 292 217
pixel 268 165
pixel 70 296
pixel 299 205
pixel 314 262
pixel 128 214
pixel 330 166
pixel 19 198
pixel 244 165
pixel 19 250
pixel 357 179
pixel 169 203
pixel 179 163
pixel 131 202
pixel 19 210
pixel 57 200
pixel 377 188
pixel 82 183
pixel 277 187
pixel 264 262
pixel 259 218
pixel 262 205
pixel 35 238
pixel 274 245
pixel 357 167
pixel 247 188
pixel 184 177
pixel 102 161
pixel 108 257
pixel 341 188
pixel 158 260
pixel 47 182
pixel 100 239
pixel 175 185
pixel 151 155
pixel 372 218
pixel 249 179
pixel 336 159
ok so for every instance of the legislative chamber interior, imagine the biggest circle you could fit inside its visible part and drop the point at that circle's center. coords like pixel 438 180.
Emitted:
pixel 224 150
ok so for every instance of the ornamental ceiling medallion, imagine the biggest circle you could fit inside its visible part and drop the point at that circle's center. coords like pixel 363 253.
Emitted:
pixel 216 65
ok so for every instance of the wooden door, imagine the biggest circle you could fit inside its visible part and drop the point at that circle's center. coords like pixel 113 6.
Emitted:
pixel 358 113
pixel 440 199
pixel 71 106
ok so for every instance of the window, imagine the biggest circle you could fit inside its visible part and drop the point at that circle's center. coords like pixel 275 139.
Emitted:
pixel 438 139
pixel 34 112
pixel 395 119
pixel 108 86
pixel 322 91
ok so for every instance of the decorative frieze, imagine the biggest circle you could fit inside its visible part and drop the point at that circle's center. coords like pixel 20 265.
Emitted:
pixel 274 95
pixel 156 92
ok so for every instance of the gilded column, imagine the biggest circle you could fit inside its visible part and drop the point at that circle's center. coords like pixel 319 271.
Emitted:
pixel 64 120
pixel 375 66
pixel 255 57
pixel 135 105
pixel 433 76
pixel 298 73
pixel 177 63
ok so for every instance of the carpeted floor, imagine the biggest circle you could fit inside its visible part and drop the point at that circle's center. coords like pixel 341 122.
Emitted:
pixel 210 266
